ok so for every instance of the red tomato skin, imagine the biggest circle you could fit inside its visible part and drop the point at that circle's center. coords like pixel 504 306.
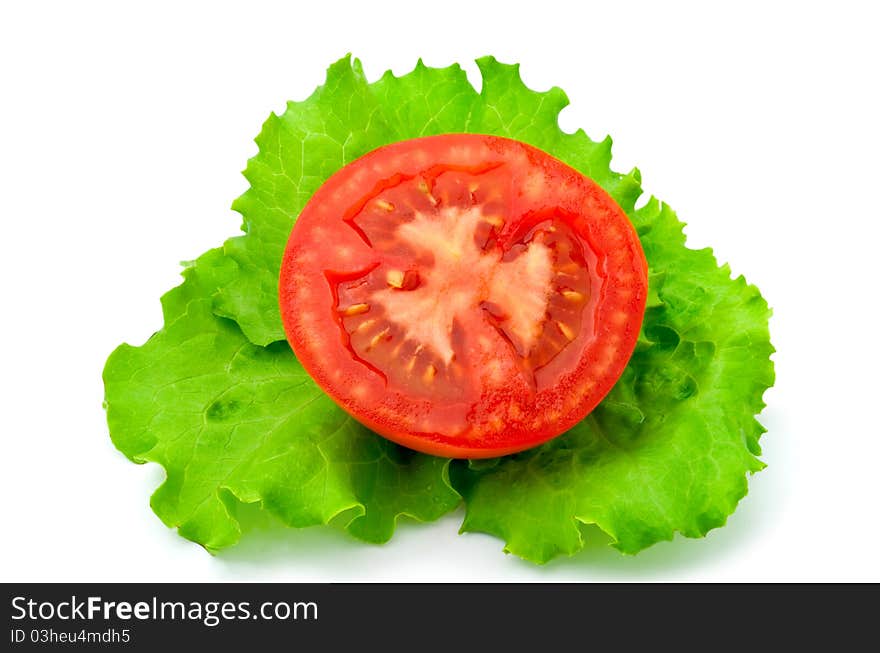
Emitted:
pixel 312 326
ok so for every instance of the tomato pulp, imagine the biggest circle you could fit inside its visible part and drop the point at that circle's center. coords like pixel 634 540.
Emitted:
pixel 463 295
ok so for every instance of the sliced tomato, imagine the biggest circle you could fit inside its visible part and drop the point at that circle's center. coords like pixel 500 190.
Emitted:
pixel 463 295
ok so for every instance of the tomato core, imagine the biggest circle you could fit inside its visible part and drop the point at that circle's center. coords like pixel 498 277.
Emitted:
pixel 463 295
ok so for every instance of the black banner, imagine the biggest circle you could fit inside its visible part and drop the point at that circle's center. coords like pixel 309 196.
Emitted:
pixel 409 617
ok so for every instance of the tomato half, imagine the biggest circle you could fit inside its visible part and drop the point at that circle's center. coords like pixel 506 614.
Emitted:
pixel 463 295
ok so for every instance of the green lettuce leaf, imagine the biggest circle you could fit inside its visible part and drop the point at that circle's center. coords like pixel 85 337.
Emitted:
pixel 426 101
pixel 233 422
pixel 217 398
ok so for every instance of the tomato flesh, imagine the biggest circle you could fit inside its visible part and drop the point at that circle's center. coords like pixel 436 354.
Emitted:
pixel 463 295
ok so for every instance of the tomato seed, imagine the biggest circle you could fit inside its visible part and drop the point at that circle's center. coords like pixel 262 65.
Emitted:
pixel 423 186
pixel 355 309
pixel 566 330
pixel 364 326
pixel 412 361
pixel 394 278
pixel 379 337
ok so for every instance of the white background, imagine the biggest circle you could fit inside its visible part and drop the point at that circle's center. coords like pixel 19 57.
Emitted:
pixel 123 134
